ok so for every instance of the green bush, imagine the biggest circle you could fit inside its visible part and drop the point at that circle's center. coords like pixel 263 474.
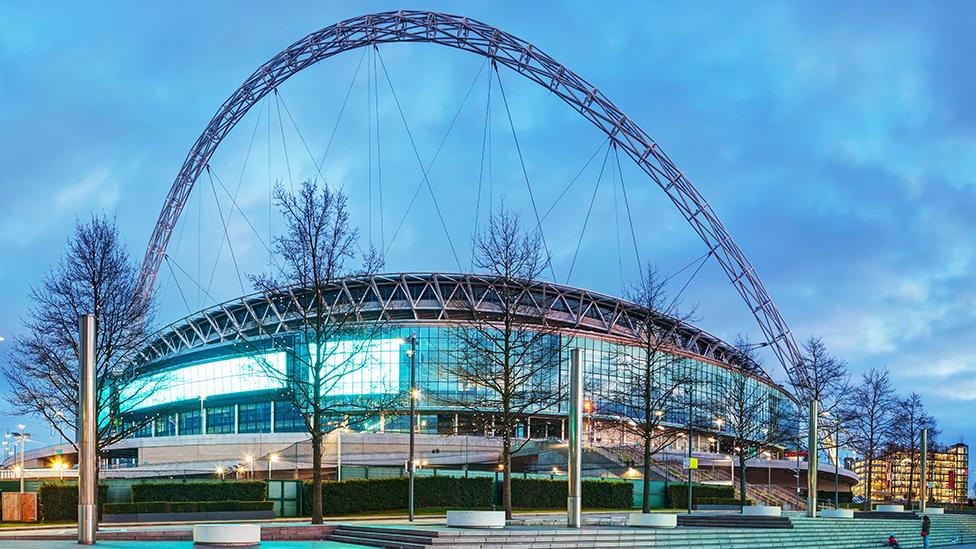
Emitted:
pixel 237 490
pixel 186 507
pixel 387 494
pixel 678 493
pixel 535 493
pixel 58 501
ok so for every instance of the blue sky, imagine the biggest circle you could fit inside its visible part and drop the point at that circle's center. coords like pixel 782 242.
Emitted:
pixel 837 143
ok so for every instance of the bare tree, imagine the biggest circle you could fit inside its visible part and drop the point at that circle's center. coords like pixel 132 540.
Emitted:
pixel 749 413
pixel 870 414
pixel 506 360
pixel 318 248
pixel 909 421
pixel 95 276
pixel 650 378
pixel 826 381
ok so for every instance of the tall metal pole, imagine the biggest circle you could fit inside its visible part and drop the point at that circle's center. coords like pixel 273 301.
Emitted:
pixel 574 503
pixel 22 442
pixel 812 459
pixel 923 484
pixel 691 433
pixel 87 502
pixel 413 424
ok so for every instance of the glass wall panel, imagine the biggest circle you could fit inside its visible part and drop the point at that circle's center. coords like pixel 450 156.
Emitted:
pixel 287 418
pixel 254 417
pixel 190 423
pixel 220 419
pixel 225 376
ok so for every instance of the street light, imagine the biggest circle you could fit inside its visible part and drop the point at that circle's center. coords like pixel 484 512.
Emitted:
pixel 21 437
pixel 271 459
pixel 249 459
pixel 220 471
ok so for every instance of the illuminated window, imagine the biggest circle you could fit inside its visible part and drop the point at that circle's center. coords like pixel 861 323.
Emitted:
pixel 231 375
pixel 287 418
pixel 357 367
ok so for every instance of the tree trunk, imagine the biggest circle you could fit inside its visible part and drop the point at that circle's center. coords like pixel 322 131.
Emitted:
pixel 317 477
pixel 867 492
pixel 911 479
pixel 742 479
pixel 646 498
pixel 507 475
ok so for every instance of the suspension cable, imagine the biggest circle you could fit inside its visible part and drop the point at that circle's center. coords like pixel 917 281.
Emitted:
pixel 379 152
pixel 575 177
pixel 525 173
pixel 230 245
pixel 335 127
pixel 284 144
pixel 416 152
pixel 586 219
pixel 189 310
pixel 481 170
pixel 630 218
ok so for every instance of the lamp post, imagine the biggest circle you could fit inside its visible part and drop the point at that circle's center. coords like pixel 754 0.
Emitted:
pixel 21 437
pixel 412 352
pixel 769 471
pixel 249 459
pixel 271 459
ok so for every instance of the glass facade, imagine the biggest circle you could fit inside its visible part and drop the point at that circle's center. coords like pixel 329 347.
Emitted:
pixel 382 367
pixel 897 475
pixel 220 420
pixel 254 417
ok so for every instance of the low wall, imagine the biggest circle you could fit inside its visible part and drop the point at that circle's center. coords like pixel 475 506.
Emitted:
pixel 188 517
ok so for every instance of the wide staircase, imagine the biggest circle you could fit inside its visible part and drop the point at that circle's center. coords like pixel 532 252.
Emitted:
pixel 761 493
pixel 805 533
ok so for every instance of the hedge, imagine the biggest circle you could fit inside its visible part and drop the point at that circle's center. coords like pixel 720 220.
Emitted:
pixel 678 494
pixel 185 507
pixel 536 493
pixel 58 501
pixel 246 490
pixel 386 494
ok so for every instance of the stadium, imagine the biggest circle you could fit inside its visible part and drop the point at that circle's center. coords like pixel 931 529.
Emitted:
pixel 212 394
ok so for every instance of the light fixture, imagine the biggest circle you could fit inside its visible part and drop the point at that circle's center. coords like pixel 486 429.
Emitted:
pixel 274 457
pixel 555 470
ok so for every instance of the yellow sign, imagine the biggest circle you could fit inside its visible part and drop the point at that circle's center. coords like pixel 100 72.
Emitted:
pixel 691 463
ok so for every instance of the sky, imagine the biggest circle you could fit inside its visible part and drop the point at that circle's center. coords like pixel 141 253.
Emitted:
pixel 836 142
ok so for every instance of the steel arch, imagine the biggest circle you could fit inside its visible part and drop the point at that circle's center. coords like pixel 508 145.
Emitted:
pixel 522 57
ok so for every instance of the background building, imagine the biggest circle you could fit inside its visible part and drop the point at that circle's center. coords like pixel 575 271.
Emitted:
pixel 894 475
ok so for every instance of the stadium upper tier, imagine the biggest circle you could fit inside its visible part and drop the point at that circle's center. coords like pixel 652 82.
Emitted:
pixel 236 362
pixel 432 299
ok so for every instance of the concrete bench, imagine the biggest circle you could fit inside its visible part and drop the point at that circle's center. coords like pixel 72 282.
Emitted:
pixel 652 520
pixel 890 508
pixel 476 519
pixel 934 511
pixel 227 535
pixel 837 513
pixel 762 511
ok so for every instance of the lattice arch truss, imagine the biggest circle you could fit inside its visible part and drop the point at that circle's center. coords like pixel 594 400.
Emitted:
pixel 522 57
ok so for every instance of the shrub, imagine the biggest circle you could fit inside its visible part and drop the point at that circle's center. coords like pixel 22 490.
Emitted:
pixel 246 490
pixel 678 493
pixel 386 494
pixel 186 507
pixel 537 493
pixel 58 501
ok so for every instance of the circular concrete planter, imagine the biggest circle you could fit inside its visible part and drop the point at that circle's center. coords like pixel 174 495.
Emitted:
pixel 762 510
pixel 837 513
pixel 890 508
pixel 476 519
pixel 227 535
pixel 934 511
pixel 652 520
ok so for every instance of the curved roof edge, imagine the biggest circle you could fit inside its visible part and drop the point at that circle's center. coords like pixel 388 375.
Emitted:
pixel 439 297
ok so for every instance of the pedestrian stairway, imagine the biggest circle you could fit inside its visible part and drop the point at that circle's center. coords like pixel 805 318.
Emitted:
pixel 806 533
